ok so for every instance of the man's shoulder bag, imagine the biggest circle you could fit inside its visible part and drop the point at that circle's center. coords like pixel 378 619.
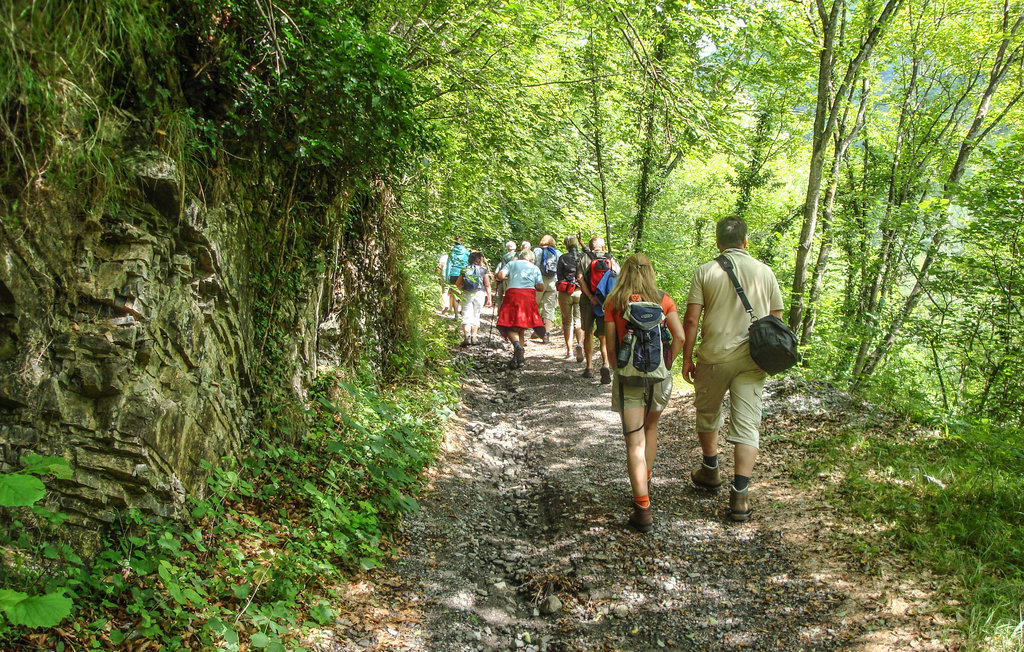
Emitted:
pixel 772 343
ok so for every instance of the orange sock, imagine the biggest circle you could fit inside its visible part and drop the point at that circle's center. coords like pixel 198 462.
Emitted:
pixel 644 501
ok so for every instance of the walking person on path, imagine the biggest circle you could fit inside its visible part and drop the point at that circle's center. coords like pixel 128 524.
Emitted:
pixel 475 284
pixel 519 309
pixel 724 362
pixel 569 295
pixel 589 272
pixel 458 258
pixel 545 257
pixel 510 255
pixel 640 404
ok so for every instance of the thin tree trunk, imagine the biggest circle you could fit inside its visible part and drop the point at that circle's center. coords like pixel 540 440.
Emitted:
pixel 843 142
pixel 595 100
pixel 825 117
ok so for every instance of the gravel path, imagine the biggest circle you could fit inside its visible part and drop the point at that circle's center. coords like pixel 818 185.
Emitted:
pixel 522 542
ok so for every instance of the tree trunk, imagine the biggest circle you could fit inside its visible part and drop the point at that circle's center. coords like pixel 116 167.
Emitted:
pixel 825 117
pixel 843 142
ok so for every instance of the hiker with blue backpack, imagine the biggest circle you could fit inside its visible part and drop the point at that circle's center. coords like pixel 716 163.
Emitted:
pixel 545 257
pixel 596 274
pixel 458 258
pixel 519 308
pixel 476 295
pixel 645 335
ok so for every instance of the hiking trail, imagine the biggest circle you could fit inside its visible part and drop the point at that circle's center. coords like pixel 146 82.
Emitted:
pixel 521 542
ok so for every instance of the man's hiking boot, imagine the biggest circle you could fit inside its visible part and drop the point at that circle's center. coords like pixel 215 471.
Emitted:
pixel 578 350
pixel 642 518
pixel 606 375
pixel 739 504
pixel 706 477
pixel 588 373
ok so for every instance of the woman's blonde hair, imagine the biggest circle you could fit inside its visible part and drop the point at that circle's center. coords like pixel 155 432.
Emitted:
pixel 635 278
pixel 547 241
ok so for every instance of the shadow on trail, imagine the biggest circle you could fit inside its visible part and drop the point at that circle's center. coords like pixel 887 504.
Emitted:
pixel 523 543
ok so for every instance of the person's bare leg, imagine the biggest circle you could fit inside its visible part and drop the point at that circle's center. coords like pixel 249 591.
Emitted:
pixel 745 456
pixel 636 454
pixel 651 437
pixel 588 350
pixel 708 443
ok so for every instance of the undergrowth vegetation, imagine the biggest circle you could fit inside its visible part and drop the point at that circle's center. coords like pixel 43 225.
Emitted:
pixel 954 500
pixel 256 560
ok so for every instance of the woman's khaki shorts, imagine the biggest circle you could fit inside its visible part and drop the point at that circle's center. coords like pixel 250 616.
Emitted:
pixel 634 396
pixel 569 305
pixel 744 380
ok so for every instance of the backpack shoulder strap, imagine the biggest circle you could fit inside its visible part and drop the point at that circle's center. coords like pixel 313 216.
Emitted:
pixel 726 264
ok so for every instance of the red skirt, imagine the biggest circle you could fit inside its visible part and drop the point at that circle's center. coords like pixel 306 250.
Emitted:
pixel 519 310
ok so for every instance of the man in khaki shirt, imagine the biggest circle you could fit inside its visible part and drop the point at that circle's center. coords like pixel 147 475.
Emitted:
pixel 723 359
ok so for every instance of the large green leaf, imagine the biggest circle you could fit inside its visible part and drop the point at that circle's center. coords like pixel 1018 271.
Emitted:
pixel 39 610
pixel 17 490
pixel 39 465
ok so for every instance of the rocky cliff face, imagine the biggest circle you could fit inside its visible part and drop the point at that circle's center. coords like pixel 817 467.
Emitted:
pixel 125 343
pixel 128 336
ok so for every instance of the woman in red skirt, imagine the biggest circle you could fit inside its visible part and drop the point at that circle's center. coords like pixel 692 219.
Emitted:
pixel 519 307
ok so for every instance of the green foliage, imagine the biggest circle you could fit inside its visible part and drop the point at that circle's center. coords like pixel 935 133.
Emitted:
pixel 953 499
pixel 254 560
pixel 32 609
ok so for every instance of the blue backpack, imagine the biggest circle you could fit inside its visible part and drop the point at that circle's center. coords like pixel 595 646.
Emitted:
pixel 604 288
pixel 457 259
pixel 548 261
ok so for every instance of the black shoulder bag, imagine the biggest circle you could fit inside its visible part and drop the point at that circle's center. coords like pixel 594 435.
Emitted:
pixel 772 344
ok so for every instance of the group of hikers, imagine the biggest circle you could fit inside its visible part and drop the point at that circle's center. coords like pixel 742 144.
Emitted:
pixel 640 335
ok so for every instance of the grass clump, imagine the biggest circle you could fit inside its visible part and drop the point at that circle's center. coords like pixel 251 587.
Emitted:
pixel 953 499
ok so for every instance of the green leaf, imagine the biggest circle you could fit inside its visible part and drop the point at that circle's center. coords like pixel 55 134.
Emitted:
pixel 259 640
pixel 9 598
pixel 39 465
pixel 17 490
pixel 39 610
pixel 322 613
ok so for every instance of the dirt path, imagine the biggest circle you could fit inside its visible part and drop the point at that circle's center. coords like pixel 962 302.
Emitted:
pixel 522 542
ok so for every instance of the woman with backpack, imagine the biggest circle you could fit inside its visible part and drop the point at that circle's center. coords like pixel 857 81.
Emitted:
pixel 519 307
pixel 638 322
pixel 475 283
pixel 569 294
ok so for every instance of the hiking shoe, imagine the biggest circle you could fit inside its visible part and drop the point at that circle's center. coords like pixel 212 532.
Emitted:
pixel 579 352
pixel 606 375
pixel 568 356
pixel 706 477
pixel 642 518
pixel 588 373
pixel 513 363
pixel 547 339
pixel 465 342
pixel 739 504
pixel 520 356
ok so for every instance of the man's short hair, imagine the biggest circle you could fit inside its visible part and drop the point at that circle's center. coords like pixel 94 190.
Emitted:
pixel 731 232
pixel 596 241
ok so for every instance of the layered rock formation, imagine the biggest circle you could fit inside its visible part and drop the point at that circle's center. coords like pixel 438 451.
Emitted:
pixel 125 344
